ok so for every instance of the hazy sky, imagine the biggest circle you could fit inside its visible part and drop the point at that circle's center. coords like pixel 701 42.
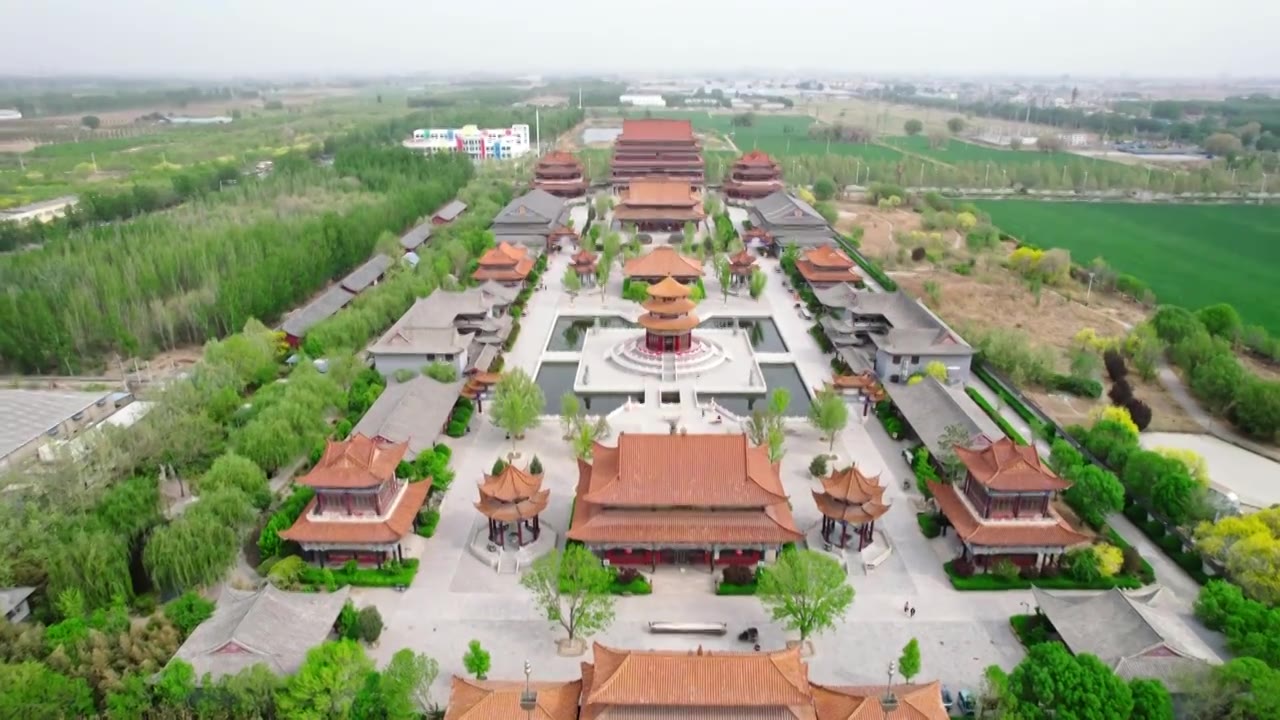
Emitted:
pixel 270 37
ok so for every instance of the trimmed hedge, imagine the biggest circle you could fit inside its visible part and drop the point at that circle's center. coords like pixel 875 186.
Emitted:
pixel 724 588
pixel 867 266
pixel 392 575
pixel 269 541
pixel 638 586
pixel 1076 386
pixel 929 525
pixel 991 412
pixel 1038 426
pixel 428 522
pixel 1030 629
pixel 1062 582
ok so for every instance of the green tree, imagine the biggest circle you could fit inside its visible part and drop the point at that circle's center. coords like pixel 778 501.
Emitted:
pixel 1151 700
pixel 824 188
pixel 955 125
pixel 327 683
pixel 517 404
pixel 175 684
pixel 585 434
pixel 604 270
pixel 951 437
pixel 1221 320
pixel 1257 409
pixel 235 471
pixel 1084 363
pixel 829 415
pixel 131 700
pixel 1242 689
pixel 476 660
pixel 441 372
pixel 913 126
pixel 369 624
pixel 1223 144
pixel 570 413
pixel 1094 493
pixel 92 122
pixel 909 662
pixel 572 588
pixel 32 690
pixel 405 685
pixel 1051 682
pixel 570 280
pixel 805 590
pixel 756 283
pixel 724 274
pixel 188 610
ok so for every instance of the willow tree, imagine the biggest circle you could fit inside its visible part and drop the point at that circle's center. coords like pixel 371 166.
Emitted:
pixel 517 404
pixel 190 552
pixel 94 561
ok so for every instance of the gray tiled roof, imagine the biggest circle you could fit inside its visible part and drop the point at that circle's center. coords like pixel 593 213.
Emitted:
pixel 841 295
pixel 451 211
pixel 912 328
pixel 1124 628
pixel 10 598
pixel 417 235
pixel 412 412
pixel 431 325
pixel 270 626
pixel 782 209
pixel 333 300
pixel 26 414
pixel 930 407
pixel 535 204
pixel 365 275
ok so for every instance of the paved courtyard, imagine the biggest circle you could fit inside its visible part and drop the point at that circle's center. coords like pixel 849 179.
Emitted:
pixel 456 598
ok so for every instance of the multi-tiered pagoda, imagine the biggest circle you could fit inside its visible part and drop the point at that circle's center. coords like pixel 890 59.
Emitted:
pixel 669 320
pixel 513 497
pixel 753 176
pixel 657 148
pixel 850 502
pixel 560 173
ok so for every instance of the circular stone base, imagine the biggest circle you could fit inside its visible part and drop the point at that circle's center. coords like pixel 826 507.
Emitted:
pixel 702 355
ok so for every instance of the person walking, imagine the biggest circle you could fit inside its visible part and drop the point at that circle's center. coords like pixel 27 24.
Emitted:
pixel 913 612
pixel 906 607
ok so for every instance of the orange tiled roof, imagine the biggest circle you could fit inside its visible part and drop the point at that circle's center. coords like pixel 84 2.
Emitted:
pixel 666 683
pixel 520 271
pixel 756 157
pixel 673 324
pixel 774 525
pixel 360 462
pixel 864 379
pixel 504 254
pixel 494 700
pixel 687 470
pixel 674 306
pixel 828 258
pixel 559 157
pixel 915 702
pixel 1005 465
pixel 584 257
pixel 663 193
pixel 656 129
pixel 663 261
pixel 1050 532
pixel 511 484
pixel 743 258
pixel 394 526
pixel 668 287
pixel 522 509
pixel 825 275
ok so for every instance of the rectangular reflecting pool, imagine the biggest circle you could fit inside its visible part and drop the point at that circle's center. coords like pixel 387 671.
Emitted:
pixel 556 379
pixel 763 332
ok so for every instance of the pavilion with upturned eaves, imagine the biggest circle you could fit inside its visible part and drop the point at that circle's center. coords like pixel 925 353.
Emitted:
pixel 850 501
pixel 584 264
pixel 740 267
pixel 560 173
pixel 668 320
pixel 513 497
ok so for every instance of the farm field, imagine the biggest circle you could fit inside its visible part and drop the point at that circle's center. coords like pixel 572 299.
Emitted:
pixel 777 134
pixel 957 151
pixel 1191 255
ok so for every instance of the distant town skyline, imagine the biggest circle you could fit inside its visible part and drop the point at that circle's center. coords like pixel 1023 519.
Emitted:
pixel 1088 38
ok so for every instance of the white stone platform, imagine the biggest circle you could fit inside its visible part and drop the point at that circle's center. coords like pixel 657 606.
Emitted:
pixel 602 369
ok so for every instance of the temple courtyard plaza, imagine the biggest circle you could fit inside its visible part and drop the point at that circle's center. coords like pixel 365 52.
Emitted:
pixel 455 598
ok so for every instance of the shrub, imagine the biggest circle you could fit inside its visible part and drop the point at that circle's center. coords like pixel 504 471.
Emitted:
pixel 498 466
pixel 1110 559
pixel 535 466
pixel 1114 362
pixel 427 522
pixel 962 568
pixel 346 622
pixel 1121 392
pixel 392 574
pixel 1130 561
pixel 818 466
pixel 739 575
pixel 1030 572
pixel 1140 412
pixel 1005 569
pixel 1081 387
pixel 626 575
pixel 369 624
pixel 917 254
pixel 1083 565
pixel 404 375
pixel 187 611
pixel 928 524
pixel 1171 544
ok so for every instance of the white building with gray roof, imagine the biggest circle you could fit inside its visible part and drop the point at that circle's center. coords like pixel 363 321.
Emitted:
pixel 905 335
pixel 530 219
pixel 930 408
pixel 269 627
pixel 31 419
pixel 790 220
pixel 458 328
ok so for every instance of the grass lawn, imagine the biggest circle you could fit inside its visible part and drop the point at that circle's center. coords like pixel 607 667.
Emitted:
pixel 957 152
pixel 1191 255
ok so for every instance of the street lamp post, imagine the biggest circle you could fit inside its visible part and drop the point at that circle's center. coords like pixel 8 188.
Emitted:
pixel 889 702
pixel 528 698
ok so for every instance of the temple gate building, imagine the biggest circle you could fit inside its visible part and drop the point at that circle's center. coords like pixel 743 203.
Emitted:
pixel 361 510
pixel 663 262
pixel 1003 508
pixel 665 148
pixel 684 499
pixel 659 204
pixel 505 264
pixel 754 175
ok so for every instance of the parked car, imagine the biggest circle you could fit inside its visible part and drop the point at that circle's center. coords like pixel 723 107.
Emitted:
pixel 947 699
pixel 909 456
pixel 966 703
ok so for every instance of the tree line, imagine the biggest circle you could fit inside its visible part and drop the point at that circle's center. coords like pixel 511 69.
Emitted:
pixel 155 283
pixel 62 103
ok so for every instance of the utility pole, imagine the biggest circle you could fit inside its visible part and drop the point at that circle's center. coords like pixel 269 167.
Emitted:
pixel 537 124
